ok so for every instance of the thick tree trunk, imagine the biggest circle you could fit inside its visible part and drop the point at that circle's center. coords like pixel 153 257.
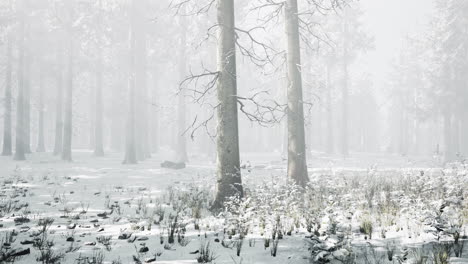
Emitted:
pixel 140 53
pixel 7 144
pixel 130 144
pixel 297 166
pixel 59 104
pixel 229 181
pixel 19 141
pixel 181 151
pixel 68 102
pixel 40 127
pixel 329 147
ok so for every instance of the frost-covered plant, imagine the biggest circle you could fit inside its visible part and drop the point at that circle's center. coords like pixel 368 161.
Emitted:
pixel 441 253
pixel 390 248
pixel 274 247
pixel 6 250
pixel 97 257
pixel 105 241
pixel 48 255
pixel 205 254
pixel 418 256
pixel 371 256
pixel 366 226
pixel 238 216
pixel 173 225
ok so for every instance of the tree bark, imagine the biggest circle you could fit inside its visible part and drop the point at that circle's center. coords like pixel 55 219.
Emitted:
pixel 140 53
pixel 449 154
pixel 27 90
pixel 181 151
pixel 154 115
pixel 345 92
pixel 130 144
pixel 68 102
pixel 229 183
pixel 59 103
pixel 329 147
pixel 98 125
pixel 19 141
pixel 40 133
pixel 297 166
pixel 7 144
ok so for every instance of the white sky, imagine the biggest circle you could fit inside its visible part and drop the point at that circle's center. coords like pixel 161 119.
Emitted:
pixel 390 21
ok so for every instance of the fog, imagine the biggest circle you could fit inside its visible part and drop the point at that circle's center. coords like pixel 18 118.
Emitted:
pixel 393 52
pixel 228 89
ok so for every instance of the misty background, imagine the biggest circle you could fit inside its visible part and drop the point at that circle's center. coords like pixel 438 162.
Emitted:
pixel 405 76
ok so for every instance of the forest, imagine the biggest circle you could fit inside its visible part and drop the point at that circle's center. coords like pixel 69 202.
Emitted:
pixel 233 131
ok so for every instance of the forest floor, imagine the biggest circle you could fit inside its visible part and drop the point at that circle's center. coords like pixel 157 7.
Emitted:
pixel 367 209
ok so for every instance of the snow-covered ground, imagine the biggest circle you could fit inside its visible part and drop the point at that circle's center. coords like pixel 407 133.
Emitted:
pixel 97 208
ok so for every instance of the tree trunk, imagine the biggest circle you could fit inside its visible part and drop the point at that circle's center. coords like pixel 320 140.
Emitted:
pixel 329 147
pixel 7 144
pixel 19 141
pixel 68 103
pixel 345 92
pixel 98 125
pixel 297 166
pixel 449 154
pixel 117 125
pixel 229 183
pixel 59 103
pixel 40 127
pixel 27 93
pixel 130 145
pixel 181 151
pixel 463 136
pixel 140 53
pixel 154 116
